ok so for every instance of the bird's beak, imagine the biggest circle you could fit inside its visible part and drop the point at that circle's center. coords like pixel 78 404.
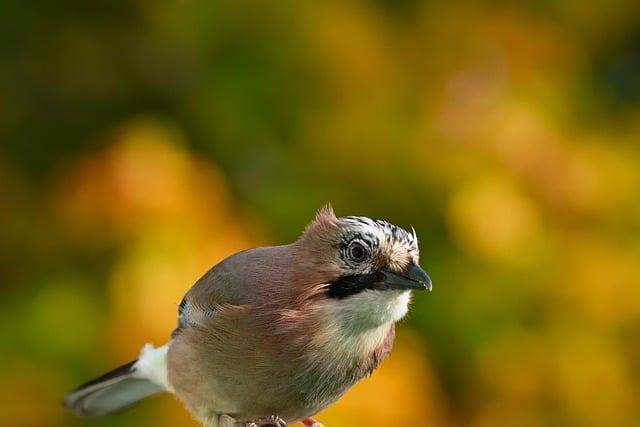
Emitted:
pixel 412 278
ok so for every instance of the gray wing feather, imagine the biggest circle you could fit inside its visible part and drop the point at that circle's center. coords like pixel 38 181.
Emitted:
pixel 220 285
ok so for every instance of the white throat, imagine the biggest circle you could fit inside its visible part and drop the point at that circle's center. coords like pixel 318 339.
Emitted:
pixel 370 309
pixel 359 324
pixel 367 314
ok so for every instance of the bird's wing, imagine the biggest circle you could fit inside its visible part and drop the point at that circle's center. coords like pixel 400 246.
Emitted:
pixel 190 315
pixel 220 286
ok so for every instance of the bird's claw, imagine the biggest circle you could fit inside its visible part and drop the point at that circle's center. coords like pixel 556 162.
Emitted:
pixel 272 421
pixel 310 422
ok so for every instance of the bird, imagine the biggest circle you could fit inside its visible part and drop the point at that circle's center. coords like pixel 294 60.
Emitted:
pixel 273 335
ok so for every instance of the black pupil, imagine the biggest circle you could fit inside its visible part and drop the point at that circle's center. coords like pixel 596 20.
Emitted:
pixel 357 251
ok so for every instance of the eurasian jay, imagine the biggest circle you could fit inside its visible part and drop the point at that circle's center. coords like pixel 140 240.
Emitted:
pixel 275 334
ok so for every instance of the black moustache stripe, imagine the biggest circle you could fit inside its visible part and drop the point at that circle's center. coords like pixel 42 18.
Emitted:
pixel 353 284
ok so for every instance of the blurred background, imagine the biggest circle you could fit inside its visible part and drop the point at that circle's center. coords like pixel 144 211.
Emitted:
pixel 144 141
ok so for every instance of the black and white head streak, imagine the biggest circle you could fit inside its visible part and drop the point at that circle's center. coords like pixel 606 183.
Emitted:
pixel 382 245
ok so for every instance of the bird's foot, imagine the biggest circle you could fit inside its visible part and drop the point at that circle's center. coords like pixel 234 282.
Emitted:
pixel 272 421
pixel 310 422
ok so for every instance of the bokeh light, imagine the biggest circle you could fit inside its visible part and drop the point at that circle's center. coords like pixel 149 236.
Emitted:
pixel 142 142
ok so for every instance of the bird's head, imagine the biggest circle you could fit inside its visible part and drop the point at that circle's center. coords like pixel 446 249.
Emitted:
pixel 370 265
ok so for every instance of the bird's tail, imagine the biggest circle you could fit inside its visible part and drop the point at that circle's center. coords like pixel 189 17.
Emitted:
pixel 122 387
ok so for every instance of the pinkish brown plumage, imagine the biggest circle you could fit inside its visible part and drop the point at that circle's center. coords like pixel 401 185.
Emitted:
pixel 282 330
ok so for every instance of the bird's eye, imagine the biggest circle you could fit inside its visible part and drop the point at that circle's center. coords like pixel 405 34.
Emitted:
pixel 357 252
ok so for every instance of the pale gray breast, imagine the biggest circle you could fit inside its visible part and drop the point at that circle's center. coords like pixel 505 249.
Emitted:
pixel 334 367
